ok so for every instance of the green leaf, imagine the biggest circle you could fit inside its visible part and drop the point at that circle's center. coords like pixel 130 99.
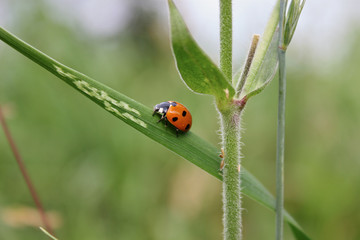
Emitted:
pixel 196 69
pixel 189 145
pixel 265 62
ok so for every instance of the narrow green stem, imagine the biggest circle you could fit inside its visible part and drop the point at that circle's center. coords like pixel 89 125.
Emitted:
pixel 280 129
pixel 230 126
pixel 280 149
pixel 226 38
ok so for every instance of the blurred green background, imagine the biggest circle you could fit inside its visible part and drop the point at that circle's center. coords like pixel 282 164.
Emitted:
pixel 104 180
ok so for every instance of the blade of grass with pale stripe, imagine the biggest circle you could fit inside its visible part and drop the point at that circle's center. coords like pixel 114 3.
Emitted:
pixel 189 146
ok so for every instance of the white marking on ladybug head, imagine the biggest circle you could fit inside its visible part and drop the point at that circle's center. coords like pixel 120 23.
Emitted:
pixel 161 110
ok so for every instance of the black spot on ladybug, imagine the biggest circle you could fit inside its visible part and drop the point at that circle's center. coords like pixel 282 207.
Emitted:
pixel 184 113
pixel 187 126
pixel 174 119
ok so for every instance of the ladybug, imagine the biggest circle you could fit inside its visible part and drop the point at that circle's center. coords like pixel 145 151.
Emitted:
pixel 176 113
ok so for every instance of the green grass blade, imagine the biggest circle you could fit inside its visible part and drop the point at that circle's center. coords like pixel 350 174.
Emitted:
pixel 189 145
pixel 196 69
pixel 292 18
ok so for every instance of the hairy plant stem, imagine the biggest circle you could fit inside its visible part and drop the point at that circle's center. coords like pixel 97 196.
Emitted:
pixel 230 128
pixel 226 38
pixel 280 128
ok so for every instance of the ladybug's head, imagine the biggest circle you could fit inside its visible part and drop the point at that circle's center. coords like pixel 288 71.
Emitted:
pixel 162 107
pixel 157 108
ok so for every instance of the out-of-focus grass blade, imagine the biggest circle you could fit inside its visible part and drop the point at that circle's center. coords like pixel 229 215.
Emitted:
pixel 189 145
pixel 197 70
pixel 48 234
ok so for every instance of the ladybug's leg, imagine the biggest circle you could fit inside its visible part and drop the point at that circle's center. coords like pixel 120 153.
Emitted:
pixel 162 117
